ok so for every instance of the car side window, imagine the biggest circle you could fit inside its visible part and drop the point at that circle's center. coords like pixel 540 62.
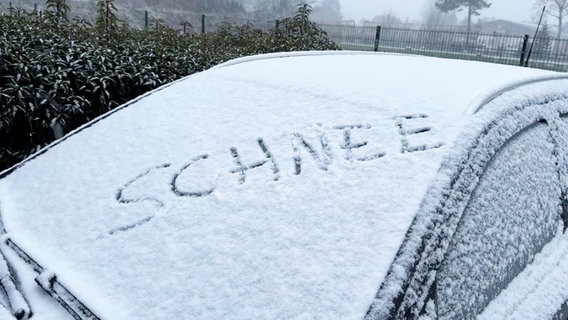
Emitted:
pixel 562 313
pixel 513 212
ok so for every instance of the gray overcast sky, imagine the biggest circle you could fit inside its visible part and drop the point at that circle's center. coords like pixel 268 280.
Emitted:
pixel 514 10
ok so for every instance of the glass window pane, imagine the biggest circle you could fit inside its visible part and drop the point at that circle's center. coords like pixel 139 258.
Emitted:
pixel 511 215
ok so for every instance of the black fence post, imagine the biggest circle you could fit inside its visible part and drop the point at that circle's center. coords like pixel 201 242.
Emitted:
pixel 377 38
pixel 146 20
pixel 277 25
pixel 203 24
pixel 524 49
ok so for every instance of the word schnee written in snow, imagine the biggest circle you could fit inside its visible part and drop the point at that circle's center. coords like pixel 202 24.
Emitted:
pixel 322 159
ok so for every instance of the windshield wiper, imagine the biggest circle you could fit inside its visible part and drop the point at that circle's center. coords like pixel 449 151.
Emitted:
pixel 48 281
pixel 45 279
pixel 19 307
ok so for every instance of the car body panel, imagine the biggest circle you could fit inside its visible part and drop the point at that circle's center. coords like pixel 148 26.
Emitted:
pixel 410 286
pixel 280 186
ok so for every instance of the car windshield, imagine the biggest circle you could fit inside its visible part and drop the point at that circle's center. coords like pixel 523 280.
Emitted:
pixel 280 187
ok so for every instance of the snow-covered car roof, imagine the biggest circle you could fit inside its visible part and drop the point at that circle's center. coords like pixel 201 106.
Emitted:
pixel 273 187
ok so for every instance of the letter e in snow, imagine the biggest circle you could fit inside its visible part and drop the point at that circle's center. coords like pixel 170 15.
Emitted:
pixel 348 144
pixel 405 130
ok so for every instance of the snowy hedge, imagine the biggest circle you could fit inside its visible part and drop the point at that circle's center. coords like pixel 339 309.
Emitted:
pixel 56 74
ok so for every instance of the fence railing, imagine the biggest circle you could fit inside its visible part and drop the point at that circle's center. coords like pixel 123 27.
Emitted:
pixel 200 22
pixel 144 17
pixel 546 53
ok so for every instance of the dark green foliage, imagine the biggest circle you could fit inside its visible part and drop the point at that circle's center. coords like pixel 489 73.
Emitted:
pixel 57 10
pixel 299 33
pixel 55 75
pixel 107 21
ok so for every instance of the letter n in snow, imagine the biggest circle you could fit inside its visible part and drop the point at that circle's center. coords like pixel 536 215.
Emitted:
pixel 322 159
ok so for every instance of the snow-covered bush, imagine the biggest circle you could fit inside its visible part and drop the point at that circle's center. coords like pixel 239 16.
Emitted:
pixel 57 74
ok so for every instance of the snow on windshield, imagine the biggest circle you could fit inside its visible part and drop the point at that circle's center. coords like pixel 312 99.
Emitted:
pixel 277 188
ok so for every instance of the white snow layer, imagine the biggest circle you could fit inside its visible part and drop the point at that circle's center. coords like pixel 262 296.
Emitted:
pixel 272 188
pixel 539 290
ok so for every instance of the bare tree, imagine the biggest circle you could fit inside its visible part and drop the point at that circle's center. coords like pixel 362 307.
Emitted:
pixel 558 9
pixel 472 6
pixel 433 17
pixel 276 9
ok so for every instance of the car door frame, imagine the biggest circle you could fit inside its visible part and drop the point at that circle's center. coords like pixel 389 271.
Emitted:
pixel 411 281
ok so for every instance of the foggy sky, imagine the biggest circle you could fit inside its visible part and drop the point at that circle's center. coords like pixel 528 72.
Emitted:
pixel 514 10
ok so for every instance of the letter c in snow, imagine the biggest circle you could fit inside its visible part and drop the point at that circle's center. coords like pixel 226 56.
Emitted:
pixel 192 194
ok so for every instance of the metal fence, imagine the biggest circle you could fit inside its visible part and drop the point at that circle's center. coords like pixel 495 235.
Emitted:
pixel 145 17
pixel 546 53
pixel 200 22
